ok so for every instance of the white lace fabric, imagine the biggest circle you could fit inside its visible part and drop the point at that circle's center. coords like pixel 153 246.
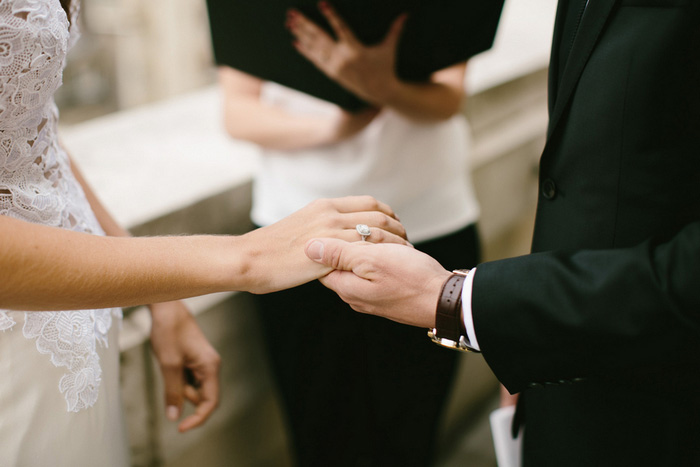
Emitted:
pixel 36 183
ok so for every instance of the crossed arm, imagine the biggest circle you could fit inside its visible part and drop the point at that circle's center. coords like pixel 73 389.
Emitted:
pixel 370 71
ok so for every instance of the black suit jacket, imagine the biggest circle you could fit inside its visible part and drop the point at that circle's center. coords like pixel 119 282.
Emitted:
pixel 600 326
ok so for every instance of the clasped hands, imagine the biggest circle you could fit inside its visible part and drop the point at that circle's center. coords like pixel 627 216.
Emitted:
pixel 382 276
pixel 389 280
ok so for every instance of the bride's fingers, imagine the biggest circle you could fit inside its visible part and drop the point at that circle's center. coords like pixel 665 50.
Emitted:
pixel 376 235
pixel 374 220
pixel 382 236
pixel 360 203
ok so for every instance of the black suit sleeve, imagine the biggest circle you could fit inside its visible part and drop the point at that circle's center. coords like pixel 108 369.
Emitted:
pixel 559 315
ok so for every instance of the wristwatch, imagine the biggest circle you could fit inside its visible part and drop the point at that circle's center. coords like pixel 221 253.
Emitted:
pixel 448 317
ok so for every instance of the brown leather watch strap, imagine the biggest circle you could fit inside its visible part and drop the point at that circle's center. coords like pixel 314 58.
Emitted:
pixel 449 309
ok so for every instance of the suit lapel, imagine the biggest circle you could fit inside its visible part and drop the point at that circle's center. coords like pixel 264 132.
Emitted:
pixel 554 62
pixel 592 25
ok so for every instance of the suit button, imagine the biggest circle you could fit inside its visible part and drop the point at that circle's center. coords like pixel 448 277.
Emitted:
pixel 549 188
pixel 535 385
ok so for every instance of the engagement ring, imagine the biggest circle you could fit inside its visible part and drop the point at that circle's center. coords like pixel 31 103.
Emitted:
pixel 363 230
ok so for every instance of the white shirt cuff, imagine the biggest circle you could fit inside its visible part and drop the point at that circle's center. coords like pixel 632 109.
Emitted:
pixel 467 309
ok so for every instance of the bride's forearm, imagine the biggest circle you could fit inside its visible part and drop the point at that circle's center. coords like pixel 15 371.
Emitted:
pixel 46 268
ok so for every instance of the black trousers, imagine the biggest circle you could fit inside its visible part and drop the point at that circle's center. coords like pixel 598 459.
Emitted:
pixel 359 390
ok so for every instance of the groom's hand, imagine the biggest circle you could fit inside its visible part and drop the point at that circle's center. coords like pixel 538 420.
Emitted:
pixel 389 280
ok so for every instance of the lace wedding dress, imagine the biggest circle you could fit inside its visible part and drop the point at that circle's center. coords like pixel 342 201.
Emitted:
pixel 59 386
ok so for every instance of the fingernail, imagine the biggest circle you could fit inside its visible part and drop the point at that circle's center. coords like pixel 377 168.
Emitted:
pixel 315 250
pixel 173 413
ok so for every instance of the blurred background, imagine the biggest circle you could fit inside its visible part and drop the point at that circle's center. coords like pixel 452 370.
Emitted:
pixel 141 113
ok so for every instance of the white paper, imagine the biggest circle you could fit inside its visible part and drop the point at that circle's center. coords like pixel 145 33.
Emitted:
pixel 508 450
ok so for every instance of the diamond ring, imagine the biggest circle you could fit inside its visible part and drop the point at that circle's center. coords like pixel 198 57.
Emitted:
pixel 363 230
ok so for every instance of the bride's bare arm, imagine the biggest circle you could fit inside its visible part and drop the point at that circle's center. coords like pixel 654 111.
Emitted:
pixel 46 268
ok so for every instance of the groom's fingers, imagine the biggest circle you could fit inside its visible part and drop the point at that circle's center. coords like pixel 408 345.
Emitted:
pixel 364 259
pixel 352 289
pixel 334 253
pixel 353 269
pixel 344 283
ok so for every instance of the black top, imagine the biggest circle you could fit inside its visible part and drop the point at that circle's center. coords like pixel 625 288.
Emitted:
pixel 250 36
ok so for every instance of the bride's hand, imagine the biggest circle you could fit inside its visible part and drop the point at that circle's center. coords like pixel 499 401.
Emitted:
pixel 180 346
pixel 276 258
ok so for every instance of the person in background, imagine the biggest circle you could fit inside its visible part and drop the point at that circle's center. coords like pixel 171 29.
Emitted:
pixel 358 390
pixel 66 267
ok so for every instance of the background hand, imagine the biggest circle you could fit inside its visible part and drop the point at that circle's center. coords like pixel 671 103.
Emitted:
pixel 179 345
pixel 386 280
pixel 277 258
pixel 367 71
